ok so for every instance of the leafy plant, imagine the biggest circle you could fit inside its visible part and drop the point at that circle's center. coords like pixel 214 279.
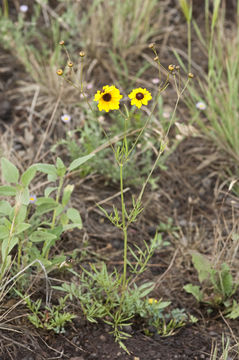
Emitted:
pixel 34 225
pixel 50 317
pixel 217 285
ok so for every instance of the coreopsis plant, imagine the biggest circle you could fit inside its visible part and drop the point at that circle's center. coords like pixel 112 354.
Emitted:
pixel 117 285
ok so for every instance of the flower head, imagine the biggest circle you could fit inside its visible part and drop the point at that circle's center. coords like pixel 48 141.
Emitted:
pixel 66 118
pixel 108 98
pixel 152 301
pixel 200 105
pixel 23 8
pixel 140 97
pixel 32 199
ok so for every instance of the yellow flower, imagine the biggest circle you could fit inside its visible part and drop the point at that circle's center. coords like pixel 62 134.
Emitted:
pixel 140 97
pixel 152 301
pixel 108 98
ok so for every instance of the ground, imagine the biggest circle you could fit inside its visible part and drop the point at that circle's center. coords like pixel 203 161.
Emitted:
pixel 190 191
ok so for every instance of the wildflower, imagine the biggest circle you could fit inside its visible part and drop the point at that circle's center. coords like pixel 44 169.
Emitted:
pixel 66 118
pixel 140 97
pixel 152 301
pixel 23 8
pixel 155 81
pixel 108 98
pixel 200 105
pixel 69 64
pixel 32 199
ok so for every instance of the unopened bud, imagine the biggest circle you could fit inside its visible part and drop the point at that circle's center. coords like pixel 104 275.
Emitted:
pixel 62 42
pixel 59 72
pixel 82 53
pixel 69 64
pixel 156 58
pixel 171 67
pixel 151 46
pixel 190 75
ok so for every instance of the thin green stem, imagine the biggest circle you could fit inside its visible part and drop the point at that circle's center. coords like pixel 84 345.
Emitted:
pixel 5 8
pixel 57 200
pixel 189 46
pixel 124 228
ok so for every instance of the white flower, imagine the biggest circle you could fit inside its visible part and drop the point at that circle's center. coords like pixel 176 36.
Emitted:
pixel 23 8
pixel 66 118
pixel 32 199
pixel 200 105
pixel 155 81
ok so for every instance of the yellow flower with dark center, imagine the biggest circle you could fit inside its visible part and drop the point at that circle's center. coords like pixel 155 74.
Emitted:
pixel 140 97
pixel 108 98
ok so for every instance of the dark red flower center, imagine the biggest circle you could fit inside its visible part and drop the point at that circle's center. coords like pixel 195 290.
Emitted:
pixel 106 97
pixel 139 96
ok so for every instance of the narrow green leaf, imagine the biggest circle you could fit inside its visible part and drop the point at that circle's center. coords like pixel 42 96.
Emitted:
pixel 78 162
pixel 9 171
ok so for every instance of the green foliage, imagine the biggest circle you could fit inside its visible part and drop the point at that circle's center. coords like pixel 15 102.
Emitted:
pixel 35 227
pixel 50 317
pixel 217 285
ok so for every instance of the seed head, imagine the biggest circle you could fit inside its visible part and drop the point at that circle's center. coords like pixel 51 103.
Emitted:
pixel 59 72
pixel 62 42
pixel 177 67
pixel 82 53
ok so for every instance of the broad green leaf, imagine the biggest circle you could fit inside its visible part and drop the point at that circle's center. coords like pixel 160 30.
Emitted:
pixel 9 171
pixel 40 236
pixel 47 245
pixel 7 246
pixel 61 169
pixel 7 190
pixel 21 215
pixel 4 232
pixel 67 194
pixel 64 219
pixel 24 196
pixel 226 280
pixel 78 162
pixel 202 265
pixel 21 227
pixel 46 168
pixel 28 175
pixel 5 208
pixel 234 311
pixel 49 190
pixel 195 291
pixel 59 209
pixel 44 205
pixel 74 216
